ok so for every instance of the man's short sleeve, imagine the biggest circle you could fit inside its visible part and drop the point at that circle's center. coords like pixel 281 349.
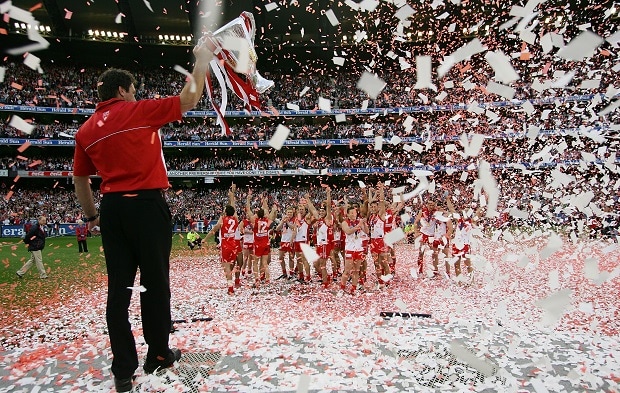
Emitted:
pixel 162 111
pixel 82 164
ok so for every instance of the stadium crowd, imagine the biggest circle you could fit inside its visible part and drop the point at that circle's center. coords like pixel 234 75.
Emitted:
pixel 563 123
pixel 548 197
pixel 541 149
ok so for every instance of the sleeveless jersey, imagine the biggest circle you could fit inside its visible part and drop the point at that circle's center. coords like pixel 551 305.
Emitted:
pixel 322 230
pixel 427 223
pixel 230 226
pixel 462 234
pixel 390 221
pixel 302 231
pixel 377 227
pixel 287 233
pixel 261 231
pixel 353 241
pixel 248 232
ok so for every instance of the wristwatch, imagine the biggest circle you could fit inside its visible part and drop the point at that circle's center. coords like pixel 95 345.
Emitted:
pixel 89 219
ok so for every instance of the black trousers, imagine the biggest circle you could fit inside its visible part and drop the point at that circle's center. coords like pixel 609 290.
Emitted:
pixel 136 232
pixel 83 246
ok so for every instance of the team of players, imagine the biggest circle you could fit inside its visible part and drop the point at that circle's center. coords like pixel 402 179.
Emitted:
pixel 342 234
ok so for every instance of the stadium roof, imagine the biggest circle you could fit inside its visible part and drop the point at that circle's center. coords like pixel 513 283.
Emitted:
pixel 289 32
pixel 143 23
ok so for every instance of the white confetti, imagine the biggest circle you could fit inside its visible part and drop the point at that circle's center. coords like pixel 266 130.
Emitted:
pixel 395 140
pixel 580 47
pixel 504 72
pixel 148 5
pixel 32 62
pixel 325 104
pixel 394 236
pixel 371 84
pixel 332 17
pixel 467 356
pixel 21 124
pixel 472 148
pixel 378 142
pixel 554 305
pixel 338 60
pixel 404 12
pixel 423 72
pixel 501 90
pixel 309 253
pixel 401 305
pixel 192 87
pixel 279 137
pixel 489 185
pixel 539 385
pixel 554 280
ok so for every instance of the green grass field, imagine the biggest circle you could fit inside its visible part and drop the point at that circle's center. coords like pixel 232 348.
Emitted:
pixel 70 273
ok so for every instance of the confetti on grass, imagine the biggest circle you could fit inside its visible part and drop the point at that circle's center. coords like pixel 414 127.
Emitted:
pixel 340 343
pixel 137 289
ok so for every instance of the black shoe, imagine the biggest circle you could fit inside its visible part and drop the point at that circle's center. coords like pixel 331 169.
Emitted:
pixel 160 362
pixel 19 275
pixel 123 384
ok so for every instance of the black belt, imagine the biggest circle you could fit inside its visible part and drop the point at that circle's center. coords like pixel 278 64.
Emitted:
pixel 158 192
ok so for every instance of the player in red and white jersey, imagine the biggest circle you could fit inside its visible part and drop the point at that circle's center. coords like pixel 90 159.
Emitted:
pixel 261 222
pixel 323 226
pixel 425 230
pixel 363 215
pixel 441 239
pixel 303 222
pixel 337 254
pixel 461 245
pixel 247 231
pixel 392 221
pixel 229 247
pixel 376 226
pixel 462 239
pixel 353 227
pixel 287 242
pixel 239 240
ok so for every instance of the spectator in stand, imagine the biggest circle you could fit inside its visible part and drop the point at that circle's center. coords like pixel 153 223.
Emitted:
pixel 121 143
pixel 35 239
pixel 81 232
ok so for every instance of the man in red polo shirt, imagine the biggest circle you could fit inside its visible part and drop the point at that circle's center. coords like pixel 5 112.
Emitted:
pixel 121 143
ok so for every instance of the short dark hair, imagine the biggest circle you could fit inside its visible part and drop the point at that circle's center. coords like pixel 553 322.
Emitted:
pixel 229 210
pixel 113 78
pixel 260 213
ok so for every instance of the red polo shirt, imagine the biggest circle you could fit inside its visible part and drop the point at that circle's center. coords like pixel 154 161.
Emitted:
pixel 121 143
